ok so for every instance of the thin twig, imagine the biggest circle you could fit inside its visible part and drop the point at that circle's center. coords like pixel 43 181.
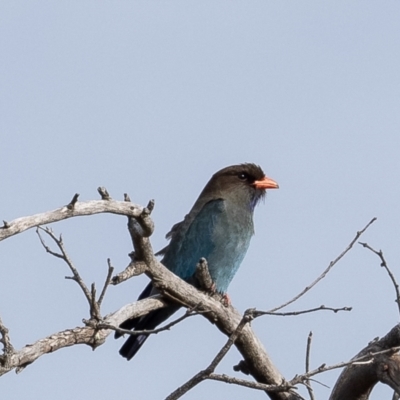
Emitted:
pixel 47 248
pixel 390 273
pixel 307 381
pixel 251 384
pixel 364 359
pixel 331 264
pixel 258 313
pixel 94 306
pixel 75 274
pixel 106 283
pixel 147 332
pixel 90 296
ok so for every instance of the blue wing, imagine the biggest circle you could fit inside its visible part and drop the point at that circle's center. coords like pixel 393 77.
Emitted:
pixel 188 246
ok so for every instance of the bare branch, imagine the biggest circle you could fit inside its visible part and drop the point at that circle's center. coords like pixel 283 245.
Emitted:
pixel 258 313
pixel 145 222
pixel 106 283
pixel 94 306
pixel 47 248
pixel 364 359
pixel 134 268
pixel 390 273
pixel 378 362
pixel 141 226
pixel 307 381
pixel 64 256
pixel 80 209
pixel 89 335
pixel 331 265
pixel 284 387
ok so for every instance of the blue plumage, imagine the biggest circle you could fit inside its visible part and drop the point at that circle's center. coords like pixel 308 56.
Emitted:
pixel 219 228
pixel 182 255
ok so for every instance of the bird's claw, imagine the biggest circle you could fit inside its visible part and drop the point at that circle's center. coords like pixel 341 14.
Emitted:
pixel 226 300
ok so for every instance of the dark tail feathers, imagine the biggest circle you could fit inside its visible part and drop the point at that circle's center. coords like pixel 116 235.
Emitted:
pixel 147 322
pixel 132 346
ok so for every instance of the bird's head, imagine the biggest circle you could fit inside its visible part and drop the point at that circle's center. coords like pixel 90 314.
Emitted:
pixel 243 183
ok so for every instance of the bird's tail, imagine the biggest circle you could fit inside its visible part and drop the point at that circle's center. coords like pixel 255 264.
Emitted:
pixel 145 323
pixel 132 346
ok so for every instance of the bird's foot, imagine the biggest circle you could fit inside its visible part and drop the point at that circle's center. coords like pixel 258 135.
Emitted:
pixel 226 300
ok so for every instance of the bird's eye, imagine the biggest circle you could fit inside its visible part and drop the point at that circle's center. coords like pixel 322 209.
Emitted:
pixel 243 176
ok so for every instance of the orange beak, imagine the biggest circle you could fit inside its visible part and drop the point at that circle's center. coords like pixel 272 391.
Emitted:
pixel 266 183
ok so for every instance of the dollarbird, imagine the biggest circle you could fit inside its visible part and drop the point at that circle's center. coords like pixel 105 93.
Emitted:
pixel 218 228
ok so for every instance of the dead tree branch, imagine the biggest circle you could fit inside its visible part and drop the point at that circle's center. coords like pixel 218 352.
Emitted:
pixel 308 352
pixel 382 364
pixel 77 209
pixel 258 313
pixel 89 335
pixel 134 268
pixel 64 256
pixel 106 283
pixel 388 270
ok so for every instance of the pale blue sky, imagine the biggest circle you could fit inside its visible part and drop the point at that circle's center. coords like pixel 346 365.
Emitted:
pixel 151 98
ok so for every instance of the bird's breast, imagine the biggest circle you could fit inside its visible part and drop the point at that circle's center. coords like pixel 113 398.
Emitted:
pixel 231 236
pixel 221 233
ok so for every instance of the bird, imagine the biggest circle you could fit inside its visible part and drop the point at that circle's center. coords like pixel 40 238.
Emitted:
pixel 218 228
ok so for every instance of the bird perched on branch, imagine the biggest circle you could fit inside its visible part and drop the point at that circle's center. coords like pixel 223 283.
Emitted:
pixel 219 228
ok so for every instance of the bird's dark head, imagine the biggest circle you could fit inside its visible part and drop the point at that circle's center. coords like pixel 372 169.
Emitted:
pixel 244 183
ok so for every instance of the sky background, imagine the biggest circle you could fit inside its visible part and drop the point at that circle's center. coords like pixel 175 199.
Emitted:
pixel 151 98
